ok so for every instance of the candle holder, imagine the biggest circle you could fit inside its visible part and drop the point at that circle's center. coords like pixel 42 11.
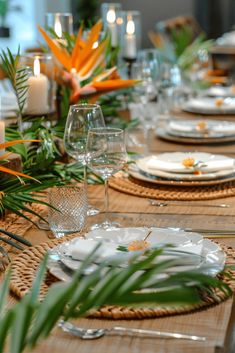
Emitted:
pixel 131 37
pixel 109 13
pixel 40 97
pixel 60 23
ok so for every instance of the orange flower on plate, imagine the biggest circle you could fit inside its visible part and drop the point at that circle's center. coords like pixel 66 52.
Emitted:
pixel 201 126
pixel 138 245
pixel 188 162
pixel 219 102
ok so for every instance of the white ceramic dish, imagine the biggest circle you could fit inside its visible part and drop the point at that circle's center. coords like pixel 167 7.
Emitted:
pixel 189 128
pixel 170 166
pixel 206 106
pixel 211 261
pixel 140 175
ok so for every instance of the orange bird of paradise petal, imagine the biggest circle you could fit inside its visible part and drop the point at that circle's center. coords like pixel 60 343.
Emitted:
pixel 5 155
pixel 84 57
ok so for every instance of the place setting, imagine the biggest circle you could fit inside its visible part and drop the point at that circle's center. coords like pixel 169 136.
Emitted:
pixel 184 169
pixel 183 251
pixel 197 131
pixel 210 105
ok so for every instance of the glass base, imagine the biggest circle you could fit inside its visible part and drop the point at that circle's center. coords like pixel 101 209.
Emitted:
pixel 106 225
pixel 92 211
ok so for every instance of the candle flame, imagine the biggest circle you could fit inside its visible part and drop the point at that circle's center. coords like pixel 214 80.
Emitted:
pixel 130 27
pixel 58 28
pixel 95 45
pixel 111 16
pixel 36 67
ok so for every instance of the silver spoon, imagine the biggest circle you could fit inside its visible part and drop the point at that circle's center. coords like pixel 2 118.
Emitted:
pixel 89 334
pixel 179 203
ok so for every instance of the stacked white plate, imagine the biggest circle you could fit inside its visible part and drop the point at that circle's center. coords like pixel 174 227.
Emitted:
pixel 172 167
pixel 208 129
pixel 207 105
pixel 189 252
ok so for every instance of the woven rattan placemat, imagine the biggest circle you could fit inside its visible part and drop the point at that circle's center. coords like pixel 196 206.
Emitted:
pixel 130 185
pixel 26 264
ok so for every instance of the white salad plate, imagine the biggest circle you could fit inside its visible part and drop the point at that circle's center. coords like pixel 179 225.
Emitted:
pixel 208 105
pixel 190 250
pixel 191 128
pixel 170 166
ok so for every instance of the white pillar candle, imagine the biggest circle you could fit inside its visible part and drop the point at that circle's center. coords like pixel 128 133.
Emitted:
pixel 2 136
pixel 130 45
pixel 37 96
pixel 112 25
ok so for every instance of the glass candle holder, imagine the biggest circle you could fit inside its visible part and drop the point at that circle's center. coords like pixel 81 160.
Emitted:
pixel 41 90
pixel 59 22
pixel 131 34
pixel 109 13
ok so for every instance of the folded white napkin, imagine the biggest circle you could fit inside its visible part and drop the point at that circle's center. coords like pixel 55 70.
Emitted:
pixel 153 163
pixel 81 248
pixel 209 104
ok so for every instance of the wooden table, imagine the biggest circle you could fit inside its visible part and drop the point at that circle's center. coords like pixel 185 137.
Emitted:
pixel 217 323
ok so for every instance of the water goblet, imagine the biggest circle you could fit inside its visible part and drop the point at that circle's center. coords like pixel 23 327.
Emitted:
pixel 81 118
pixel 106 155
pixel 68 210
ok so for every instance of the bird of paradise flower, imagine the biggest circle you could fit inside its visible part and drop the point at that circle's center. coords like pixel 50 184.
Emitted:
pixel 81 64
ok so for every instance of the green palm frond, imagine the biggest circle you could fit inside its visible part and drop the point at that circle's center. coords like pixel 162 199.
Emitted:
pixel 18 76
pixel 31 320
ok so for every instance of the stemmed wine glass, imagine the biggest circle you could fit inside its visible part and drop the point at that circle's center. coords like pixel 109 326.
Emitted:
pixel 106 155
pixel 81 118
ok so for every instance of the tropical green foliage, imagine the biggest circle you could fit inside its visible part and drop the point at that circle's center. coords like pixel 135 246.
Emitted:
pixel 182 51
pixel 31 320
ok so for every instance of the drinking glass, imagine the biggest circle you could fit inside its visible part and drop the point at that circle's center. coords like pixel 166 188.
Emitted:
pixel 106 155
pixel 81 118
pixel 69 209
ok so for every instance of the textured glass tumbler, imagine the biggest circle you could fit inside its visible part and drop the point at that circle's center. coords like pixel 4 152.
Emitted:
pixel 69 211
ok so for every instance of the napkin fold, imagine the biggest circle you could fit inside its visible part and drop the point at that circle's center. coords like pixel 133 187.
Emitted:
pixel 218 127
pixel 154 163
pixel 80 249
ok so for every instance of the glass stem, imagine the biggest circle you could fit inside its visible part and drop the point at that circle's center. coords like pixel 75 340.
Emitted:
pixel 106 191
pixel 85 177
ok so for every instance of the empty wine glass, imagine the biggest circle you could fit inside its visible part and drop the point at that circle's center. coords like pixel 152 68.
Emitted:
pixel 106 155
pixel 81 118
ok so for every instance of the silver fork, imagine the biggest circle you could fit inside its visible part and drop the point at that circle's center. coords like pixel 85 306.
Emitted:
pixel 90 334
pixel 4 259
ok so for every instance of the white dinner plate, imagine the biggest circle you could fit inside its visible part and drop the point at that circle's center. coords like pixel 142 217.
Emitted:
pixel 170 166
pixel 220 91
pixel 145 177
pixel 190 128
pixel 205 105
pixel 211 262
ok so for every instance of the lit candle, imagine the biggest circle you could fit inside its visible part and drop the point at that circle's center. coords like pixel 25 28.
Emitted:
pixel 58 27
pixel 2 136
pixel 59 32
pixel 37 96
pixel 130 50
pixel 111 22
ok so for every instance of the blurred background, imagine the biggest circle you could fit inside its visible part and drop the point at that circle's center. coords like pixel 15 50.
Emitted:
pixel 18 19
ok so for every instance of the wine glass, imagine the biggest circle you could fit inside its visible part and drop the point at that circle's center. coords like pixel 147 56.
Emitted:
pixel 81 118
pixel 106 155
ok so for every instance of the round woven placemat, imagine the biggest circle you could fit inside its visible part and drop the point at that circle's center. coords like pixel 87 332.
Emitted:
pixel 26 264
pixel 130 185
